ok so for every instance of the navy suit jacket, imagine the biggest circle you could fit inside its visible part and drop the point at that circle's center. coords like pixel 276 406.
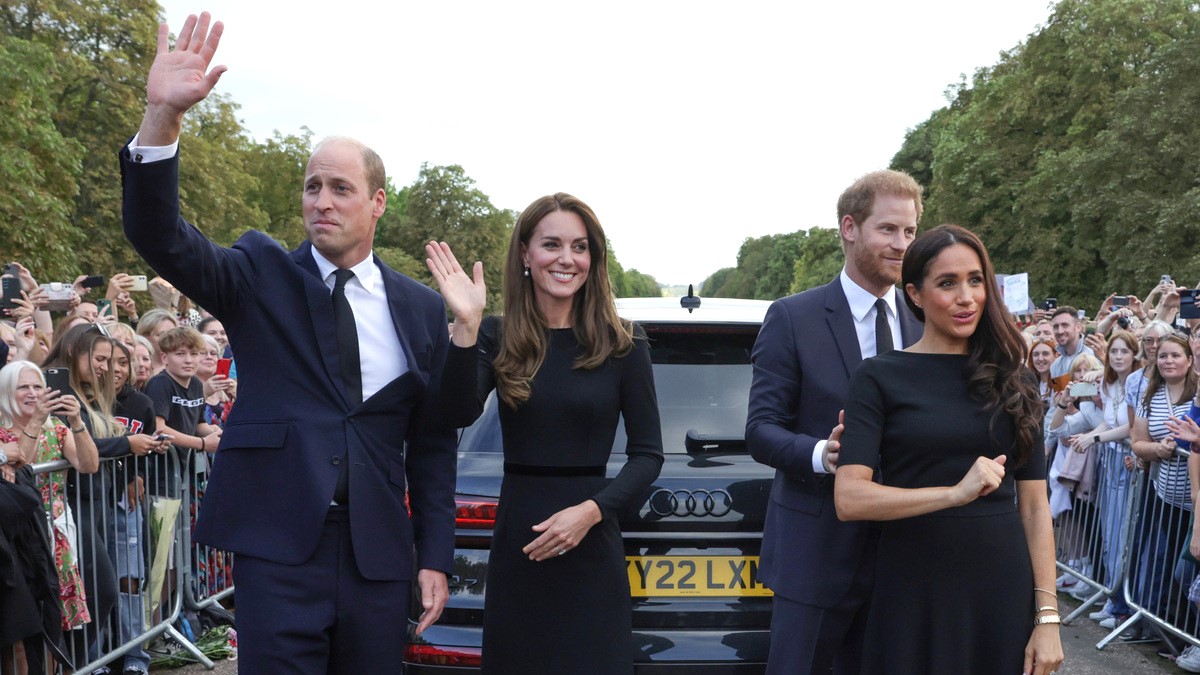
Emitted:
pixel 274 475
pixel 803 358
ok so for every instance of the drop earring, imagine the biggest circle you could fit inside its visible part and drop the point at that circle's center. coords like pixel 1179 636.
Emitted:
pixel 526 273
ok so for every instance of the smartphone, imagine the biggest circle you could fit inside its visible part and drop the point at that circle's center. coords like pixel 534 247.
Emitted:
pixel 139 282
pixel 1120 301
pixel 11 291
pixel 1166 279
pixel 94 281
pixel 223 366
pixel 104 307
pixel 1187 304
pixel 1083 389
pixel 1050 304
pixel 12 270
pixel 60 294
pixel 60 379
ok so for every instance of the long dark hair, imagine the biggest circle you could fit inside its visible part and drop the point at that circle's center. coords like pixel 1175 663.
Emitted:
pixel 996 352
pixel 523 340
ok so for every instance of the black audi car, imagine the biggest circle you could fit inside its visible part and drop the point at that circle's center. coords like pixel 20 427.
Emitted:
pixel 691 549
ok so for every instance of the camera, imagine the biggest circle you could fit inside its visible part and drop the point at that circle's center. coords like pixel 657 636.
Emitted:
pixel 60 295
pixel 1050 304
pixel 1083 389
pixel 1166 279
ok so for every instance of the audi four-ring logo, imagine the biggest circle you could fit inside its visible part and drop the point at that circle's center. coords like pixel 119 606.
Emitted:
pixel 666 502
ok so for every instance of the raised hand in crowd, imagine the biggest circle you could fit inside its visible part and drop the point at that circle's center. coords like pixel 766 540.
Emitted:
pixel 465 296
pixel 1106 308
pixel 1184 429
pixel 220 384
pixel 163 294
pixel 179 78
pixel 25 345
pixel 1099 345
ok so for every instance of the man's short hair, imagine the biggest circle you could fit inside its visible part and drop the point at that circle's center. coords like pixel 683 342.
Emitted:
pixel 372 162
pixel 858 200
pixel 184 337
pixel 1065 309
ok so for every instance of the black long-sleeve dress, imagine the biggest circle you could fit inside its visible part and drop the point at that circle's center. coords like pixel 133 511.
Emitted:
pixel 571 613
pixel 954 588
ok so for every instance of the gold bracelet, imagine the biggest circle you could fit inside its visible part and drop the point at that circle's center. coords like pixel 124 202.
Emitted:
pixel 1046 608
pixel 1049 618
pixel 1035 588
pixel 29 434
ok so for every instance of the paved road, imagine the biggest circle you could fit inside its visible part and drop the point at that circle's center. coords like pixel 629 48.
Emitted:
pixel 1079 643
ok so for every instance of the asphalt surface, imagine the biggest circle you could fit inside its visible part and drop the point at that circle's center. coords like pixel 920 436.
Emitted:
pixel 1079 643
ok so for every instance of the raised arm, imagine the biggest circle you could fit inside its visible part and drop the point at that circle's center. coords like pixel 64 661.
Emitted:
pixel 179 78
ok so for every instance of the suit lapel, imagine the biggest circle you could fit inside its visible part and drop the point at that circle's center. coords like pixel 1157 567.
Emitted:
pixel 320 313
pixel 402 315
pixel 841 325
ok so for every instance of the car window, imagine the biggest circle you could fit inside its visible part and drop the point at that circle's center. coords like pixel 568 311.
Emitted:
pixel 702 378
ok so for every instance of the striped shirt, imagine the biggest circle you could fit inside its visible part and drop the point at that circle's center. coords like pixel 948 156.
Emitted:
pixel 1171 481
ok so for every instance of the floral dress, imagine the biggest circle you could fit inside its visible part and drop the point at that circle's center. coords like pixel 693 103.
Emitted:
pixel 53 487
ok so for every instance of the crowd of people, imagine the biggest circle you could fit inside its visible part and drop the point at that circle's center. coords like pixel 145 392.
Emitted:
pixel 102 382
pixel 1120 394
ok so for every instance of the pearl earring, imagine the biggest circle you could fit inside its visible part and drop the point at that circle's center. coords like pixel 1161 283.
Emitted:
pixel 526 271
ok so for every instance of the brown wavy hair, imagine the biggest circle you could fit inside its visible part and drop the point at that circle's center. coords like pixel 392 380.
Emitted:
pixel 1156 379
pixel 996 370
pixel 523 335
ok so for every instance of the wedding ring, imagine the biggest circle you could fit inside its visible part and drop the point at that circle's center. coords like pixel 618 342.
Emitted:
pixel 562 551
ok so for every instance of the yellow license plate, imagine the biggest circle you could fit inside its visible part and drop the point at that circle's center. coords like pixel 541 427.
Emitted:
pixel 692 575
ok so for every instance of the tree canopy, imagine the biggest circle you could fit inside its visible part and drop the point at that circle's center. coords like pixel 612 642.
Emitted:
pixel 73 73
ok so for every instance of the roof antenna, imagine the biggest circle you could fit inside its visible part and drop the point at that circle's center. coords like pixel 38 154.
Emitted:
pixel 689 301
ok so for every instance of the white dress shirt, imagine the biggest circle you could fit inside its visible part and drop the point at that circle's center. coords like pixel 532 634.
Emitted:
pixel 862 310
pixel 381 357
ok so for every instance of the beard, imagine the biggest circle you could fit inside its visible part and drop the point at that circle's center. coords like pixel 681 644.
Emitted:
pixel 871 266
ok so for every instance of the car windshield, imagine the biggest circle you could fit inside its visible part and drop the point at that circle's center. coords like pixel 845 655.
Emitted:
pixel 702 378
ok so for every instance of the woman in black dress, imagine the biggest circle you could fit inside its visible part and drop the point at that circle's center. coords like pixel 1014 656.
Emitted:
pixel 565 368
pixel 965 572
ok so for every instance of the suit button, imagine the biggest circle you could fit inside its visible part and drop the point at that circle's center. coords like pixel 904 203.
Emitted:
pixel 335 460
pixel 351 420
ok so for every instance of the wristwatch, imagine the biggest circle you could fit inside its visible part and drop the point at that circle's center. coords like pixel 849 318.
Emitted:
pixel 1096 439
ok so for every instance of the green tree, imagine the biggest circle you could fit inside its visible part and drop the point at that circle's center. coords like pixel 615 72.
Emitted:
pixel 820 259
pixel 443 204
pixel 39 167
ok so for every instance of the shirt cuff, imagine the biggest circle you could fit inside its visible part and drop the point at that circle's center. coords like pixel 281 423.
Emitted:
pixel 151 153
pixel 817 459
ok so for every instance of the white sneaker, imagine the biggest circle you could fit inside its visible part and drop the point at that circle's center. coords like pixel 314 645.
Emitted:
pixel 1101 615
pixel 1109 623
pixel 1066 582
pixel 1082 591
pixel 1189 660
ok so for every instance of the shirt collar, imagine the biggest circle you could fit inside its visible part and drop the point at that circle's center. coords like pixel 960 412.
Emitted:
pixel 366 272
pixel 862 301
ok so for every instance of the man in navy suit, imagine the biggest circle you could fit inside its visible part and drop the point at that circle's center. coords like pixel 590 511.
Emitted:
pixel 335 426
pixel 821 569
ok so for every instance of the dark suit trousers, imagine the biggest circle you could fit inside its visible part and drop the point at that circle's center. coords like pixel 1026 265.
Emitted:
pixel 822 640
pixel 321 616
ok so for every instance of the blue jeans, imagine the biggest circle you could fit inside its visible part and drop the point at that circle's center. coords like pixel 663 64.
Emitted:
pixel 1113 506
pixel 125 549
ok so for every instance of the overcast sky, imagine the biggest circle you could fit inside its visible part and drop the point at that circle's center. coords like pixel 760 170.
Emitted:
pixel 688 126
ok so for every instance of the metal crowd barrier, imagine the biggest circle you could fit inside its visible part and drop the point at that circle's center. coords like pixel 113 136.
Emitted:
pixel 210 575
pixel 1125 543
pixel 129 526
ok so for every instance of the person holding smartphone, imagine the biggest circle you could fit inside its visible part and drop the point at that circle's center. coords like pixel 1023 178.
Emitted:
pixel 37 425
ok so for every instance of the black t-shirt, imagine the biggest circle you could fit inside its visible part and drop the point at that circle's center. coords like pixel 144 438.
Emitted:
pixel 181 407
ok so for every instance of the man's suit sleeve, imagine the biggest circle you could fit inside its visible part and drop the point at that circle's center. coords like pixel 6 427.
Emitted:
pixel 430 465
pixel 176 250
pixel 775 397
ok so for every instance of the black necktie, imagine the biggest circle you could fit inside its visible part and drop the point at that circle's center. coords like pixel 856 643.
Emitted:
pixel 347 339
pixel 883 330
